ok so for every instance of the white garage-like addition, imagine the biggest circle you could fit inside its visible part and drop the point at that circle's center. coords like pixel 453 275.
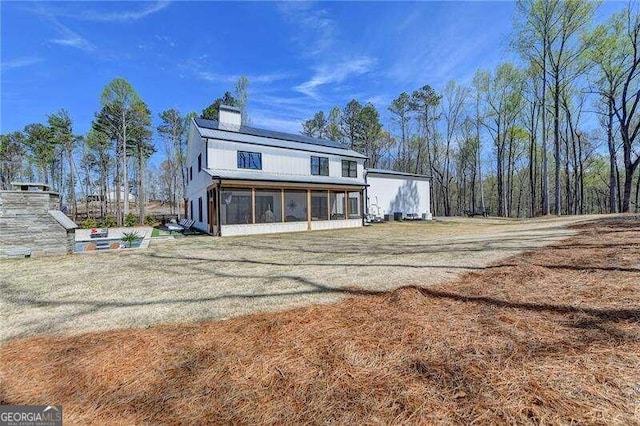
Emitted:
pixel 395 194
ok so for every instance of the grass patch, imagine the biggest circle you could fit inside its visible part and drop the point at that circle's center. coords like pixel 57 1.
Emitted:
pixel 550 336
pixel 198 277
pixel 155 232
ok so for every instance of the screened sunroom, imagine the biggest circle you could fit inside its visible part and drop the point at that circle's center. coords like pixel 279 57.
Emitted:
pixel 242 206
pixel 238 208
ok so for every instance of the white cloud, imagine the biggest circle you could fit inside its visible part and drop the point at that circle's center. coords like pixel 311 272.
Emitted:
pixel 279 110
pixel 266 119
pixel 166 40
pixel 233 78
pixel 70 38
pixel 333 58
pixel 20 62
pixel 76 42
pixel 128 15
pixel 420 58
pixel 77 12
pixel 379 101
pixel 316 31
pixel 66 36
pixel 329 73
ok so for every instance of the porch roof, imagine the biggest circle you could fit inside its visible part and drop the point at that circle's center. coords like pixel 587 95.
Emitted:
pixel 233 175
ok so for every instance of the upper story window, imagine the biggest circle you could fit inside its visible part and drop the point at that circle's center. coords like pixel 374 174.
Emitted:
pixel 320 166
pixel 249 160
pixel 349 168
pixel 199 163
pixel 191 173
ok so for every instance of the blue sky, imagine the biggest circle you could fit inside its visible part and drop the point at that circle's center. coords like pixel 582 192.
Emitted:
pixel 299 57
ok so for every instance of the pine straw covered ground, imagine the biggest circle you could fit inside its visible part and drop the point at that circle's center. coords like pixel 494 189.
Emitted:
pixel 549 336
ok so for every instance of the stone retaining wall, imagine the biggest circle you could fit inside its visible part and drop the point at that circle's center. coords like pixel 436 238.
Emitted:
pixel 28 229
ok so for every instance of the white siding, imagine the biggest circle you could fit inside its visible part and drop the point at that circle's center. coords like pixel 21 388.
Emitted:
pixel 287 163
pixel 197 187
pixel 335 224
pixel 271 228
pixel 388 194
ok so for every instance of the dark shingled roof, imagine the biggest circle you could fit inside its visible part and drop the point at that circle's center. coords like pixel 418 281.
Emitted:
pixel 212 124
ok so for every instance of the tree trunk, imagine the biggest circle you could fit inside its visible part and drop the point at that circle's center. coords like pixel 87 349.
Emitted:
pixel 500 182
pixel 125 175
pixel 626 195
pixel 619 188
pixel 532 162
pixel 478 152
pixel 118 188
pixel 72 183
pixel 613 181
pixel 567 177
pixel 556 146
pixel 629 170
pixel 104 177
pixel 545 158
pixel 638 194
pixel 509 185
pixel 141 188
pixel 581 175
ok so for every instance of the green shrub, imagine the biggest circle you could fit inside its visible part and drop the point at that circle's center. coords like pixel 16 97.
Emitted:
pixel 89 223
pixel 150 220
pixel 129 237
pixel 130 220
pixel 109 222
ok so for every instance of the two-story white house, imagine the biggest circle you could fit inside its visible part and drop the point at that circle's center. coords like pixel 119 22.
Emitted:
pixel 243 180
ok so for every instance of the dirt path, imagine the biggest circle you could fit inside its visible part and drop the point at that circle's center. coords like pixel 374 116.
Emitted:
pixel 198 278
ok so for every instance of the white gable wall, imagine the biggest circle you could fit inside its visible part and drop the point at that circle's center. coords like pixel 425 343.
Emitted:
pixel 288 163
pixel 387 194
pixel 197 187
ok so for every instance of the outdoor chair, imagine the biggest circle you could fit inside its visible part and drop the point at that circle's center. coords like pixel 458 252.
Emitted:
pixel 182 226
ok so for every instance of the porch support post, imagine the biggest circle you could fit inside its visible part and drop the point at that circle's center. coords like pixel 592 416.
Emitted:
pixel 346 204
pixel 328 205
pixel 218 213
pixel 282 205
pixel 253 205
pixel 308 210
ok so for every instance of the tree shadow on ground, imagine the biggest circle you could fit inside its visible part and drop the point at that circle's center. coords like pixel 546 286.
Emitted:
pixel 314 288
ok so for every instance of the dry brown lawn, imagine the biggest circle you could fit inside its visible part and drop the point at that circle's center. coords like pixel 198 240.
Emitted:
pixel 549 336
pixel 199 278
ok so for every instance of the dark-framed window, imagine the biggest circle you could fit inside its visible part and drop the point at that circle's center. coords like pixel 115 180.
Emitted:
pixel 191 173
pixel 200 209
pixel 191 209
pixel 249 160
pixel 349 168
pixel 199 163
pixel 320 166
